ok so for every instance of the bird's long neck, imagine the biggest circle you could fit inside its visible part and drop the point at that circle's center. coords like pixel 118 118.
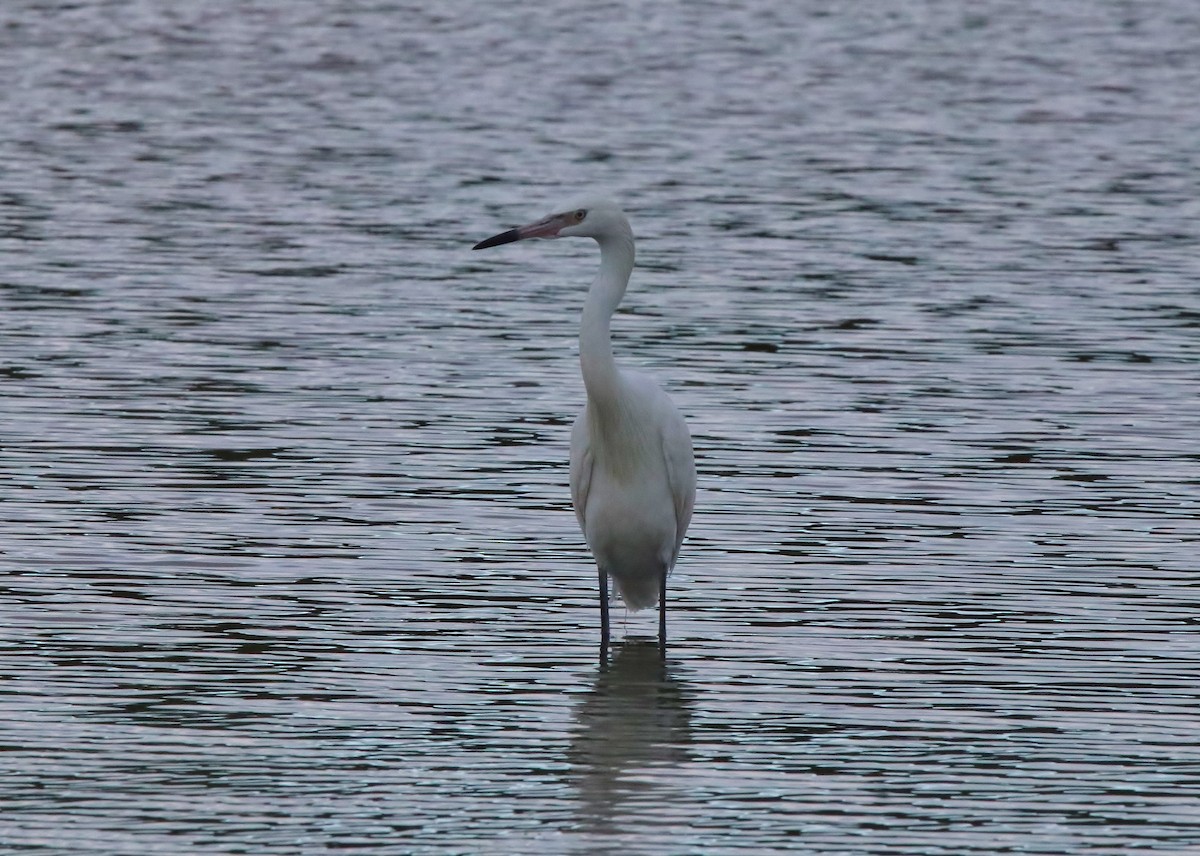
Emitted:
pixel 600 374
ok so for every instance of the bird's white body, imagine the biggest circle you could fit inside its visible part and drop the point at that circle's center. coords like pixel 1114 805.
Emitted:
pixel 633 475
pixel 633 484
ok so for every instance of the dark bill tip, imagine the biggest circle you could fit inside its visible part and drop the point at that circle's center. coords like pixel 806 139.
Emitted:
pixel 496 240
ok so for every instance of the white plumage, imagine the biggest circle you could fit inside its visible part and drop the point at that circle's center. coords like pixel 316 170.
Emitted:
pixel 633 474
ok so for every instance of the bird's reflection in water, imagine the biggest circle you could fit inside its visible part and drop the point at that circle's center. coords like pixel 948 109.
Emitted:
pixel 636 717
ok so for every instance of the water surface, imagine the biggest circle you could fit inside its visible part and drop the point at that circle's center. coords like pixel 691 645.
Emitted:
pixel 288 559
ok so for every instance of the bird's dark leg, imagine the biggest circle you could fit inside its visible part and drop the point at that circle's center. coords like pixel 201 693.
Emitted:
pixel 662 614
pixel 603 618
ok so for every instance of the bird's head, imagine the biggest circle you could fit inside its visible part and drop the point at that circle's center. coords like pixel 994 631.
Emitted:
pixel 588 218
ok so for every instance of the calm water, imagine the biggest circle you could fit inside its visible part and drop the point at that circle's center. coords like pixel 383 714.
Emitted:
pixel 288 560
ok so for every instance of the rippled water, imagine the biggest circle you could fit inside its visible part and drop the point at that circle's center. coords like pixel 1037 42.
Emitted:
pixel 288 558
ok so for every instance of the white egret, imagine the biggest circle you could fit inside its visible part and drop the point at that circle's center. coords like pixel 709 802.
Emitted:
pixel 633 475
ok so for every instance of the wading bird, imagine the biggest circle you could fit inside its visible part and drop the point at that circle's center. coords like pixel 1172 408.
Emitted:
pixel 633 475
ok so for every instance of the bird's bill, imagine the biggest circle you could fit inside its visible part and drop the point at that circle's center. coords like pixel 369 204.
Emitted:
pixel 546 228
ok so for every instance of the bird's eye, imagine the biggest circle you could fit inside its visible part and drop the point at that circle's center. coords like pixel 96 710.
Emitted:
pixel 579 215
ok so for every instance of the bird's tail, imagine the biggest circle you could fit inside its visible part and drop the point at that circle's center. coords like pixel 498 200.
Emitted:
pixel 639 591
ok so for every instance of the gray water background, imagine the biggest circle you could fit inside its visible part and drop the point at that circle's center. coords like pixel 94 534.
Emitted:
pixel 288 560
